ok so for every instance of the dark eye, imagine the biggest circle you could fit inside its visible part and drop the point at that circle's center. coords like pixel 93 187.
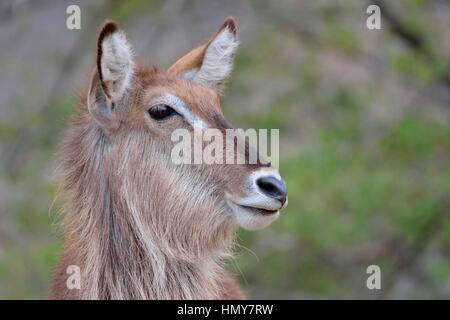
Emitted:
pixel 161 111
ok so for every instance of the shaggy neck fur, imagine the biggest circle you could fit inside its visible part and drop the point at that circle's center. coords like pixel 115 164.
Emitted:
pixel 134 224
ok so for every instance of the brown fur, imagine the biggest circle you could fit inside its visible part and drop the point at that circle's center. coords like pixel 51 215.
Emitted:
pixel 138 226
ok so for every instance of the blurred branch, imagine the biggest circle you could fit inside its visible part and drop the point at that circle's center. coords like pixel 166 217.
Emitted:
pixel 405 258
pixel 413 40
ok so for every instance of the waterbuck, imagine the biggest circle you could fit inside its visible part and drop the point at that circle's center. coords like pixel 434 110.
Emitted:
pixel 137 225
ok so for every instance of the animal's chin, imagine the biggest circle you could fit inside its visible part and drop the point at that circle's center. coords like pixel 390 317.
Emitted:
pixel 252 218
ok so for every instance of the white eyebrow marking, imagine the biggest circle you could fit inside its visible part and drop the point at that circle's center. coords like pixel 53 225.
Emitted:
pixel 179 106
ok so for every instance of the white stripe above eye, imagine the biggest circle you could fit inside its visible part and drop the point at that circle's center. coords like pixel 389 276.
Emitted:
pixel 179 106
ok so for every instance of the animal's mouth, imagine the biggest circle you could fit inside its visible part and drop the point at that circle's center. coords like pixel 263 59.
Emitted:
pixel 252 217
pixel 257 210
pixel 259 201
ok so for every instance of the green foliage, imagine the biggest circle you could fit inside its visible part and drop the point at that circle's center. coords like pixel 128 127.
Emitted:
pixel 343 197
pixel 417 65
pixel 125 10
pixel 342 38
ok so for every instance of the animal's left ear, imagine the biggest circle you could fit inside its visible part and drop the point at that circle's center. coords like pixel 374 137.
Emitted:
pixel 212 62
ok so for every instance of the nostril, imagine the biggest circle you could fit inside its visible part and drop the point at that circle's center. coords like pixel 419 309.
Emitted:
pixel 273 187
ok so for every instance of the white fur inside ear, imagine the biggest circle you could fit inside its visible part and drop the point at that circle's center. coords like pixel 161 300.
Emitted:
pixel 218 60
pixel 190 74
pixel 117 63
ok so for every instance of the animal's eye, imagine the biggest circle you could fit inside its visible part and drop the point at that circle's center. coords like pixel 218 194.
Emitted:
pixel 161 111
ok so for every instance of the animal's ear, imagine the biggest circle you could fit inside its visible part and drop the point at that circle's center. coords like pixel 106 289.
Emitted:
pixel 112 76
pixel 212 62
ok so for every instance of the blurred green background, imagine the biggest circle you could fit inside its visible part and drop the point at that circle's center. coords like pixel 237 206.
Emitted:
pixel 364 119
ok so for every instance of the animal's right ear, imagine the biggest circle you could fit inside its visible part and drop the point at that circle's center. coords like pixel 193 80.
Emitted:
pixel 211 63
pixel 112 76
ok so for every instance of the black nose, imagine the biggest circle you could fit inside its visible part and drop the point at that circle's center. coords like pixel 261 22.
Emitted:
pixel 273 188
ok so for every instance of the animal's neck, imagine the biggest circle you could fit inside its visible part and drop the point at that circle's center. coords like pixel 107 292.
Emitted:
pixel 120 256
pixel 119 265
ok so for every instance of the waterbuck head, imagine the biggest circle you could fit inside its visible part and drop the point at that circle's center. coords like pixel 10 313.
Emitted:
pixel 135 110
